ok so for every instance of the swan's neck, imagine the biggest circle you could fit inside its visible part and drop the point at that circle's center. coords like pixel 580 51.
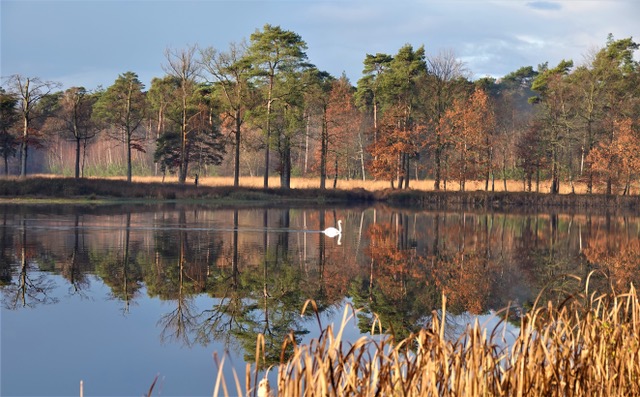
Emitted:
pixel 340 226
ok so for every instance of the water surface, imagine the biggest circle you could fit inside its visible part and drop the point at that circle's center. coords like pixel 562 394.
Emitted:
pixel 115 295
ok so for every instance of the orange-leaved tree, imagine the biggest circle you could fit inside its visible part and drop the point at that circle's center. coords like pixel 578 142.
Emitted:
pixel 343 121
pixel 616 163
pixel 397 137
pixel 468 124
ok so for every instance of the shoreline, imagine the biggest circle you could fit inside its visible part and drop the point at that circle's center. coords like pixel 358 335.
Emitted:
pixel 42 190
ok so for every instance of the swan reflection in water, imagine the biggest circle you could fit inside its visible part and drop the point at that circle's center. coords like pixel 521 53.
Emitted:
pixel 332 232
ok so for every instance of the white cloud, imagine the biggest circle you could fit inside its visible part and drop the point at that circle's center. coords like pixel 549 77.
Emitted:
pixel 530 42
pixel 493 37
pixel 545 5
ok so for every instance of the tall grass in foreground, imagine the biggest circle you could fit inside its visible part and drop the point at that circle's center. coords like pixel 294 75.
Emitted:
pixel 587 346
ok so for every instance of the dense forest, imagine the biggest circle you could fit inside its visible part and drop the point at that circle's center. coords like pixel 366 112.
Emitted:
pixel 259 107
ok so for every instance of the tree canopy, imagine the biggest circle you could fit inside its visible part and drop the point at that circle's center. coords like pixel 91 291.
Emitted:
pixel 413 115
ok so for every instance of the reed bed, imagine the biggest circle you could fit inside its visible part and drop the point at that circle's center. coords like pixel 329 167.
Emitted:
pixel 586 346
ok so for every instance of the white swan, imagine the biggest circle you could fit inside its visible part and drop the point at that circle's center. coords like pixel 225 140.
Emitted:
pixel 332 231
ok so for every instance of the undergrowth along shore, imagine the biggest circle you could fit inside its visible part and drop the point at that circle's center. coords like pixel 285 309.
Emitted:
pixel 110 189
pixel 588 345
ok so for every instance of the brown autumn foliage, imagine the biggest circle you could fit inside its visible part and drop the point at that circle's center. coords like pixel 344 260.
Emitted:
pixel 343 123
pixel 464 280
pixel 397 138
pixel 530 156
pixel 617 257
pixel 469 124
pixel 394 264
pixel 617 163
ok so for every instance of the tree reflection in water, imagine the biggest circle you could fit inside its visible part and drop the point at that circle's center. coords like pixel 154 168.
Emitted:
pixel 29 285
pixel 118 267
pixel 255 268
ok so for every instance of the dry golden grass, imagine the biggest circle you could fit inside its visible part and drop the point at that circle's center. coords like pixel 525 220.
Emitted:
pixel 587 347
pixel 371 185
pixel 427 185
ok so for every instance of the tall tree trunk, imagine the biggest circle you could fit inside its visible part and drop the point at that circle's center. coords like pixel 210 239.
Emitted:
pixel 504 172
pixel 78 147
pixel 627 185
pixel 361 148
pixel 128 132
pixel 129 173
pixel 407 170
pixel 555 174
pixel 324 143
pixel 266 150
pixel 159 131
pixel 400 170
pixel 84 156
pixel 375 123
pixel 463 171
pixel 182 178
pixel 445 176
pixel 24 147
pixel 285 164
pixel 335 175
pixel 306 144
pixel 589 148
pixel 268 128
pixel 236 164
pixel 438 160
pixel 488 169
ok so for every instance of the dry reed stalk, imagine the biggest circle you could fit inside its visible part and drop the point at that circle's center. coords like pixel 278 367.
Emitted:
pixel 587 346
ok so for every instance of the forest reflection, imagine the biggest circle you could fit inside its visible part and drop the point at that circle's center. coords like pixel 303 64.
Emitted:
pixel 259 266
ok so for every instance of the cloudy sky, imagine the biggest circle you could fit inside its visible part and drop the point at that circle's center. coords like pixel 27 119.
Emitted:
pixel 88 43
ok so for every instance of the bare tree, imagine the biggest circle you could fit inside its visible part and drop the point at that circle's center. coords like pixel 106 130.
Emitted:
pixel 444 69
pixel 74 115
pixel 182 65
pixel 29 91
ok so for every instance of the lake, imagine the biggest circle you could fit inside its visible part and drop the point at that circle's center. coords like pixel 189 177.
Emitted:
pixel 115 295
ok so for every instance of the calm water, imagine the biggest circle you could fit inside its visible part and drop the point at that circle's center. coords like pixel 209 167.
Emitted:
pixel 116 295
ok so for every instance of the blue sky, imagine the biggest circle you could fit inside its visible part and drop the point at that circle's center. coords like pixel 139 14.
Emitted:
pixel 88 43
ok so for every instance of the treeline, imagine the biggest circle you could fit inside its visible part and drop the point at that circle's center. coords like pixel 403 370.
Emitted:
pixel 260 107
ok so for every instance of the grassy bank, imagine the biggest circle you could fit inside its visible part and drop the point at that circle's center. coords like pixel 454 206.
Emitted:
pixel 587 346
pixel 36 188
pixel 507 200
pixel 69 189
